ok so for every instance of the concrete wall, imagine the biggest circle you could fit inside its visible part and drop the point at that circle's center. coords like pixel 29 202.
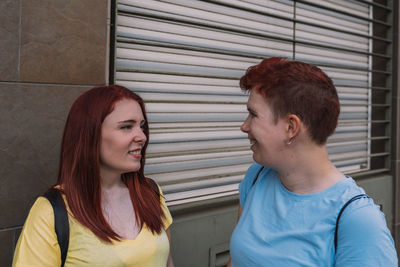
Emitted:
pixel 51 52
pixel 200 237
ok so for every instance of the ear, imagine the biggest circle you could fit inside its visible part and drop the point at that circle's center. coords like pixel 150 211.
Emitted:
pixel 293 126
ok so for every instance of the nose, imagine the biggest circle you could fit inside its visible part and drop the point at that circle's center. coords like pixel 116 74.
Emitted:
pixel 245 126
pixel 140 137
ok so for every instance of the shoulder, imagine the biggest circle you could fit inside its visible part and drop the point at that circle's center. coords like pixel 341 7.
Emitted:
pixel 361 215
pixel 37 244
pixel 40 218
pixel 41 210
pixel 363 236
pixel 254 172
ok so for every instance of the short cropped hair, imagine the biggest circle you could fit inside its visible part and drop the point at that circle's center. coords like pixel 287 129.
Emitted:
pixel 294 87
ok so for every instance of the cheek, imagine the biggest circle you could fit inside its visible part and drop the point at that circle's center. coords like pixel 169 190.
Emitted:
pixel 260 132
pixel 107 147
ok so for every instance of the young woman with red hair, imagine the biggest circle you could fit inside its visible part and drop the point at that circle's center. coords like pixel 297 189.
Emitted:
pixel 296 208
pixel 117 216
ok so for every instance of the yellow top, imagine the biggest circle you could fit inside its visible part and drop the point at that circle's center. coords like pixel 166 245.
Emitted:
pixel 38 246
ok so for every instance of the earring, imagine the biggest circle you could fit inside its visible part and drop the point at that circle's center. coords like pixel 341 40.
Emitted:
pixel 290 141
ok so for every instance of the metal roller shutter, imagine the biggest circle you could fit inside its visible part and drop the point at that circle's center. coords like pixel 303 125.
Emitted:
pixel 185 58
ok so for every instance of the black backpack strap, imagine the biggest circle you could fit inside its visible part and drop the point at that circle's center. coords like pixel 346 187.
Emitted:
pixel 258 174
pixel 156 189
pixel 253 183
pixel 340 214
pixel 61 223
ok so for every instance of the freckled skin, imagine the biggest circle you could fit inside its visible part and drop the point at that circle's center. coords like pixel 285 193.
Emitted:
pixel 121 132
pixel 266 135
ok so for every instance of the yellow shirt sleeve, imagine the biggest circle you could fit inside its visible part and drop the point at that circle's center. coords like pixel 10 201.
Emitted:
pixel 167 221
pixel 37 245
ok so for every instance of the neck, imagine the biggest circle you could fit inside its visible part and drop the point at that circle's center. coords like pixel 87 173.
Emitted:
pixel 309 171
pixel 110 180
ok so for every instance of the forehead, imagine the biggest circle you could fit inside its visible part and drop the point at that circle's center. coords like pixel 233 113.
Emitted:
pixel 256 100
pixel 259 105
pixel 126 109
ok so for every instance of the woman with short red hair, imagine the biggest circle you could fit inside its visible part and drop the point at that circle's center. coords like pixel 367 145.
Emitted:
pixel 116 215
pixel 296 208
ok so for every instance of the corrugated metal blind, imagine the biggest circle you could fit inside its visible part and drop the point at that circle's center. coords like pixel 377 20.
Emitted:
pixel 185 58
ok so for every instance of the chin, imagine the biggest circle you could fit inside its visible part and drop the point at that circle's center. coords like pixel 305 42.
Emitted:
pixel 261 162
pixel 135 170
pixel 132 169
pixel 256 159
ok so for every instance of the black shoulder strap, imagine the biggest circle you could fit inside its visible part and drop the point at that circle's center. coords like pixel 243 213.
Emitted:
pixel 258 174
pixel 155 186
pixel 61 223
pixel 340 214
pixel 254 181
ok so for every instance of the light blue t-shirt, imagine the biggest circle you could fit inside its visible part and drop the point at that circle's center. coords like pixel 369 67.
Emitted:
pixel 281 228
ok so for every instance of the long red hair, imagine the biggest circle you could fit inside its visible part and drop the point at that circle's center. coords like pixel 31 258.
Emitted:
pixel 79 170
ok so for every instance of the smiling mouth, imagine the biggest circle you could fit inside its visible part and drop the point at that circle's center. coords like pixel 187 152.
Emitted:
pixel 252 141
pixel 134 152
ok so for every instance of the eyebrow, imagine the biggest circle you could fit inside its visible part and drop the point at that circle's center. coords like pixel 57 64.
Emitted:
pixel 130 121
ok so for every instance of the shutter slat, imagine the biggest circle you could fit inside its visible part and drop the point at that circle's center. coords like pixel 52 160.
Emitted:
pixel 185 59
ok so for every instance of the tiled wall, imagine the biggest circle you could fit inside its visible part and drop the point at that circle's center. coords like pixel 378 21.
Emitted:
pixel 51 52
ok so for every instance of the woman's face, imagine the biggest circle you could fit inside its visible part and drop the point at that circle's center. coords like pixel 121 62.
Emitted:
pixel 122 139
pixel 267 137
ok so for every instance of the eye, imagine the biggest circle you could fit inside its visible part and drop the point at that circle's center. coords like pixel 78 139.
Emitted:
pixel 252 114
pixel 142 126
pixel 126 127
